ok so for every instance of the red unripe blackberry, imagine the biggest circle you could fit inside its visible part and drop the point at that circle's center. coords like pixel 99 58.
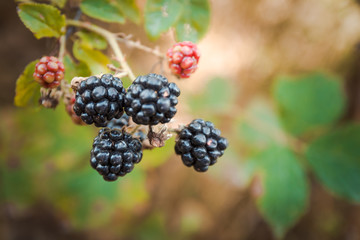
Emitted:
pixel 49 71
pixel 183 59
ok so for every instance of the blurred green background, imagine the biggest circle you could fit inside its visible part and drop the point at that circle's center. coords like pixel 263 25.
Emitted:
pixel 281 79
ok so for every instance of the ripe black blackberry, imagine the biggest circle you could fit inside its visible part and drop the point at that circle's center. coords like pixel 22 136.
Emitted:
pixel 119 123
pixel 124 121
pixel 114 153
pixel 151 99
pixel 99 100
pixel 200 144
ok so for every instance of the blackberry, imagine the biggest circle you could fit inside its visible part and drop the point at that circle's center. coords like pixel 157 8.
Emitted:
pixel 114 153
pixel 183 59
pixel 49 72
pixel 151 99
pixel 98 100
pixel 119 123
pixel 200 144
pixel 69 107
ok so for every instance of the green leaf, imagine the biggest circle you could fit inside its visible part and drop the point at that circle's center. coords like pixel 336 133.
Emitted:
pixel 95 59
pixel 27 91
pixel 111 10
pixel 59 3
pixel 42 19
pixel 259 126
pixel 194 21
pixel 75 70
pixel 284 188
pixel 160 15
pixel 309 102
pixel 92 40
pixel 335 159
pixel 216 98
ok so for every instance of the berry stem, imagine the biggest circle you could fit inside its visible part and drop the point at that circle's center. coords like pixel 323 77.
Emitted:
pixel 62 48
pixel 111 39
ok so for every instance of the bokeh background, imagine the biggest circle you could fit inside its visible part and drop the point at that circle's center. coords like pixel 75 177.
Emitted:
pixel 49 191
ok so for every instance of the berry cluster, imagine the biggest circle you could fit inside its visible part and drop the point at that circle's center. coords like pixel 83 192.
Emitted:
pixel 151 99
pixel 183 59
pixel 200 144
pixel 114 153
pixel 99 100
pixel 49 71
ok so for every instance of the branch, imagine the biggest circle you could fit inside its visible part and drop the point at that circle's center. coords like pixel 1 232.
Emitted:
pixel 62 48
pixel 138 45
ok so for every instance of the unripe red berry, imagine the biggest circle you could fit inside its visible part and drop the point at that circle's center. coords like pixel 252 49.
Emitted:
pixel 49 72
pixel 183 58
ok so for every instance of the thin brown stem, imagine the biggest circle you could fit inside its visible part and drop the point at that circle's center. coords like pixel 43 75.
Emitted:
pixel 62 48
pixel 138 45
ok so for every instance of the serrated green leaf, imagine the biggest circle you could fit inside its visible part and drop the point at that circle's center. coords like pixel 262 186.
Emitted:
pixel 335 160
pixel 42 19
pixel 309 102
pixel 92 40
pixel 284 188
pixel 216 98
pixel 111 10
pixel 160 15
pixel 59 3
pixel 75 70
pixel 27 91
pixel 95 60
pixel 194 21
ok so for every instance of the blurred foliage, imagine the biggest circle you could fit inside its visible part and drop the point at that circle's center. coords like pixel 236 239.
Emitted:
pixel 285 191
pixel 278 140
pixel 334 158
pixel 50 161
pixel 307 102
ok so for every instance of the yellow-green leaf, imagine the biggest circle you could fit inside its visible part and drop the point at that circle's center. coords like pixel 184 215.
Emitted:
pixel 75 70
pixel 92 40
pixel 27 90
pixel 42 19
pixel 59 3
pixel 95 59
